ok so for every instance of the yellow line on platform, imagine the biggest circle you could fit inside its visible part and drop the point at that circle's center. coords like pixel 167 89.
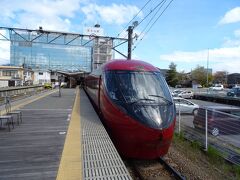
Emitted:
pixel 71 163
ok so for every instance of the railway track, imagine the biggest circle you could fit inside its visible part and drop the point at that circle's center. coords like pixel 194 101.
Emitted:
pixel 152 170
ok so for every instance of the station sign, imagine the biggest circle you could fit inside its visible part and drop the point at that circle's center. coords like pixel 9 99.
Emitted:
pixel 93 31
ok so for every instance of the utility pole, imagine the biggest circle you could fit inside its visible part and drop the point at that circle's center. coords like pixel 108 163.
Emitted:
pixel 130 32
pixel 207 66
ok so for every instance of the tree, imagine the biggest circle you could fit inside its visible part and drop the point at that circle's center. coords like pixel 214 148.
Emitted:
pixel 220 77
pixel 199 75
pixel 184 79
pixel 171 76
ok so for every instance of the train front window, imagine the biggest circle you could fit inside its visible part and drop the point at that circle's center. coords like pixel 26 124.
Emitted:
pixel 142 95
pixel 137 87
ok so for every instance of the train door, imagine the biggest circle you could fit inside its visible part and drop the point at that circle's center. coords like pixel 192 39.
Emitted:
pixel 99 92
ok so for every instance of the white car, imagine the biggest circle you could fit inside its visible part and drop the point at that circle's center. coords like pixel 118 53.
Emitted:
pixel 185 106
pixel 217 87
pixel 186 94
pixel 176 92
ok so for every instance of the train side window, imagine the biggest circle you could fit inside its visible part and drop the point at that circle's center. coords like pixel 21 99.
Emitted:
pixel 111 86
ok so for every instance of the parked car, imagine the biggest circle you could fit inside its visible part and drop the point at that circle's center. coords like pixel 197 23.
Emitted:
pixel 63 84
pixel 221 120
pixel 178 86
pixel 176 92
pixel 217 87
pixel 234 92
pixel 47 86
pixel 186 94
pixel 185 106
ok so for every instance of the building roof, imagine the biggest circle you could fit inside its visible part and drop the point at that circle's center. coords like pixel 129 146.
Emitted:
pixel 11 67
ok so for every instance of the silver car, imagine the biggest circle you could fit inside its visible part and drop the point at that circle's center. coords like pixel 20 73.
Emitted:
pixel 186 94
pixel 185 106
pixel 176 92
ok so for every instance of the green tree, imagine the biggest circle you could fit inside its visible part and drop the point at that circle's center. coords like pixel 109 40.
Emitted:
pixel 220 77
pixel 199 75
pixel 184 79
pixel 171 76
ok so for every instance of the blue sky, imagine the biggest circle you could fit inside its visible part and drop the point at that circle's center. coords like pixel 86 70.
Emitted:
pixel 183 34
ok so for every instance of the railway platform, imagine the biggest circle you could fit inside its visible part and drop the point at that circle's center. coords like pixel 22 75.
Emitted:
pixel 59 138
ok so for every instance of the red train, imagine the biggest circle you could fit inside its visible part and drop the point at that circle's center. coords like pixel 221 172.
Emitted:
pixel 136 106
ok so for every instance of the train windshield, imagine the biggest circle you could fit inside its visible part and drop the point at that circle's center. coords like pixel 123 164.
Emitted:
pixel 144 95
pixel 133 87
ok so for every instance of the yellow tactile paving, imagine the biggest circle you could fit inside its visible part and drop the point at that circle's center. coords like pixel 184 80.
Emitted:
pixel 71 163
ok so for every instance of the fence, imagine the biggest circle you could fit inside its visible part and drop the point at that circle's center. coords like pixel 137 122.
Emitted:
pixel 19 92
pixel 217 127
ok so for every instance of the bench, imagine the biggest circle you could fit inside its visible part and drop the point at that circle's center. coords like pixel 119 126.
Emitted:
pixel 8 119
pixel 9 111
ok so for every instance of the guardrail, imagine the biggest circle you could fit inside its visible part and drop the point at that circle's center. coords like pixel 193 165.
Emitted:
pixel 19 92
pixel 207 127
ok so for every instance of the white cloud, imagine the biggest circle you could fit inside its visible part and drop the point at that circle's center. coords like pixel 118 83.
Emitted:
pixel 57 14
pixel 232 42
pixel 50 14
pixel 221 58
pixel 5 52
pixel 182 56
pixel 231 16
pixel 231 66
pixel 114 14
pixel 237 33
pixel 228 42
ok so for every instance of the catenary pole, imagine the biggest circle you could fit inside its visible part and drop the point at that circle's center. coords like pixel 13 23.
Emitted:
pixel 130 32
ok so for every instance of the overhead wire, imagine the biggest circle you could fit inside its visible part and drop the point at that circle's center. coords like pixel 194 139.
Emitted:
pixel 153 23
pixel 158 10
pixel 158 7
pixel 129 22
pixel 134 16
pixel 151 11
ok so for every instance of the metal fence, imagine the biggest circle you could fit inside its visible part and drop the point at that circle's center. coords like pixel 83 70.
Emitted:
pixel 15 93
pixel 213 127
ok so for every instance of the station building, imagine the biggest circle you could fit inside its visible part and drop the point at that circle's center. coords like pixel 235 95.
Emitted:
pixel 59 56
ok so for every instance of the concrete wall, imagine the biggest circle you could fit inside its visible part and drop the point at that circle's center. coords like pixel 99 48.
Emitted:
pixel 45 77
pixel 3 83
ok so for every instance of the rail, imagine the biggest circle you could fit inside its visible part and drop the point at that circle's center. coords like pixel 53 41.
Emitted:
pixel 176 174
pixel 156 169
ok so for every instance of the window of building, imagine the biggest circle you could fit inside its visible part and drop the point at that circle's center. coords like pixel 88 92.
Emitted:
pixel 9 72
pixel 103 50
pixel 40 73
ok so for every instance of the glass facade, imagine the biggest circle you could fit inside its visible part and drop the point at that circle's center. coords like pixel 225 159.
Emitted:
pixel 56 55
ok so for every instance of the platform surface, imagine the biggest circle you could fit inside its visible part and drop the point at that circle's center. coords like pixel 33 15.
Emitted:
pixel 60 138
pixel 33 149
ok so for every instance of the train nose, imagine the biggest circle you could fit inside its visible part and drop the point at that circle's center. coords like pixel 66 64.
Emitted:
pixel 154 116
